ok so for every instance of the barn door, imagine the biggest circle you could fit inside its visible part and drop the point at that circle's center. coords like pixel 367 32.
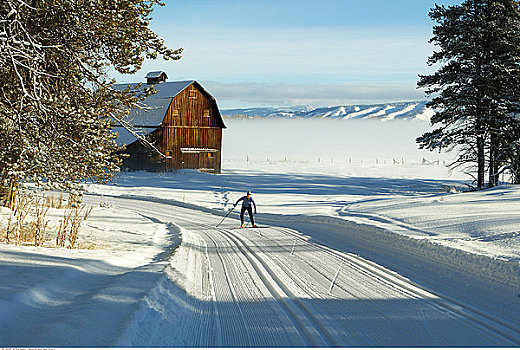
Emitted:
pixel 190 160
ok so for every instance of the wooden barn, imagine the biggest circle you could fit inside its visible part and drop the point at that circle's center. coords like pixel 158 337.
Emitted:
pixel 181 120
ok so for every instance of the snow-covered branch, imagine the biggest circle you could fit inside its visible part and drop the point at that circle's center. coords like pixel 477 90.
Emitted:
pixel 128 127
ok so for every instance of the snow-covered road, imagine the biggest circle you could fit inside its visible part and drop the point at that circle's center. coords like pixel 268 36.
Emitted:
pixel 274 287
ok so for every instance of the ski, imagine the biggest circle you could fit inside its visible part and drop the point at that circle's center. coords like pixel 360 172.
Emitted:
pixel 254 227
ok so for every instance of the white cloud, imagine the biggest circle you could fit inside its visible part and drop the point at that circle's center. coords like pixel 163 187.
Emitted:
pixel 235 95
pixel 326 55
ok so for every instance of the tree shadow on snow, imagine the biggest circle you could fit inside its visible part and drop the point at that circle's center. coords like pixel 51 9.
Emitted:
pixel 283 183
pixel 48 301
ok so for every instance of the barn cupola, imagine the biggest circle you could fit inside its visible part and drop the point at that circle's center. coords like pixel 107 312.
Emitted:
pixel 156 77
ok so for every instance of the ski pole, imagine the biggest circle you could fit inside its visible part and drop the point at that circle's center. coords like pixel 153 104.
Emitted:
pixel 225 216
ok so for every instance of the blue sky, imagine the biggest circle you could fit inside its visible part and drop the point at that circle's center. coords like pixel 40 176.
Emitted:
pixel 288 52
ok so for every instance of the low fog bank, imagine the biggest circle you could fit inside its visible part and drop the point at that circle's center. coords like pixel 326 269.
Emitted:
pixel 341 140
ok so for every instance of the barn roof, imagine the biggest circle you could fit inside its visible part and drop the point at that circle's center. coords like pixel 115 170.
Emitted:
pixel 155 74
pixel 156 105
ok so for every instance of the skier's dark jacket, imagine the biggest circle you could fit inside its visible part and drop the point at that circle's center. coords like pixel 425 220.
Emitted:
pixel 246 202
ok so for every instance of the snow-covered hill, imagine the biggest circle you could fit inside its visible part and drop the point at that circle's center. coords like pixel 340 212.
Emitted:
pixel 387 111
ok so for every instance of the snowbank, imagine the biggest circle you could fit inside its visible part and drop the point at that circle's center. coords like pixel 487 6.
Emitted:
pixel 82 297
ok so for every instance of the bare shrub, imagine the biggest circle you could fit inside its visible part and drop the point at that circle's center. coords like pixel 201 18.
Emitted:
pixel 74 200
pixel 63 229
pixel 17 228
pixel 68 230
pixel 54 202
pixel 40 223
pixel 25 228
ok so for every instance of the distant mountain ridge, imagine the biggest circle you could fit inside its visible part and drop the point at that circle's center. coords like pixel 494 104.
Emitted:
pixel 384 111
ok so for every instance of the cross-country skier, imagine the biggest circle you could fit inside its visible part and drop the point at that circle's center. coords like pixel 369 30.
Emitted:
pixel 246 205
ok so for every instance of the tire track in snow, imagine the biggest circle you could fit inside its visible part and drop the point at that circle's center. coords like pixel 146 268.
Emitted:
pixel 257 316
pixel 226 291
pixel 309 329
pixel 250 294
pixel 303 318
pixel 213 293
pixel 479 317
pixel 322 273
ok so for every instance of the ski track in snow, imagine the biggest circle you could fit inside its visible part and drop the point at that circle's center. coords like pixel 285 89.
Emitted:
pixel 270 287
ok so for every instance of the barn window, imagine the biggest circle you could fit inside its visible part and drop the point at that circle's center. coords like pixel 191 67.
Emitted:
pixel 169 154
pixel 193 93
pixel 176 114
pixel 207 113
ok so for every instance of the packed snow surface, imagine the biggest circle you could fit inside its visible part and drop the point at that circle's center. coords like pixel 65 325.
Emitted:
pixel 364 241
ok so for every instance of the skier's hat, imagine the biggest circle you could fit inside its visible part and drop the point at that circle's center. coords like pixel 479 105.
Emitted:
pixel 248 193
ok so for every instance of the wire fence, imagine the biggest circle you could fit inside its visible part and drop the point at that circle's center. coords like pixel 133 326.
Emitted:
pixel 339 160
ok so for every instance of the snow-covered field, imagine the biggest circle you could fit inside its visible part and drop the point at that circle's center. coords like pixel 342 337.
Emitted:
pixel 363 171
pixel 370 243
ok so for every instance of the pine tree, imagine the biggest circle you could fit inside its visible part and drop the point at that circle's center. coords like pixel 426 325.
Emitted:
pixel 505 88
pixel 475 91
pixel 56 105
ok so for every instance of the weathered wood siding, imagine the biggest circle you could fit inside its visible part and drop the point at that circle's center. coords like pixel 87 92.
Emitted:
pixel 190 105
pixel 190 123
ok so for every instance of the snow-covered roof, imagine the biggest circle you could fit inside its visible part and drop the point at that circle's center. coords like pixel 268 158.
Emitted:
pixel 155 105
pixel 155 74
pixel 124 137
pixel 145 120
